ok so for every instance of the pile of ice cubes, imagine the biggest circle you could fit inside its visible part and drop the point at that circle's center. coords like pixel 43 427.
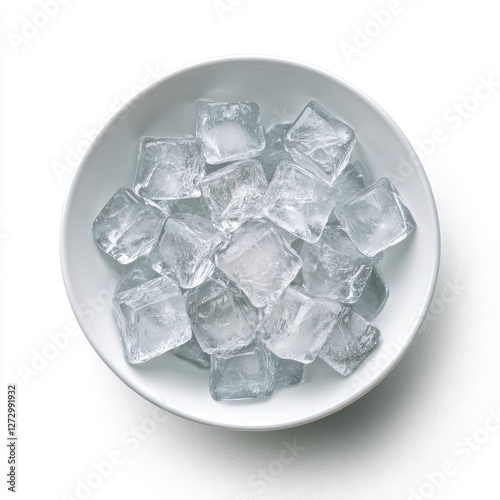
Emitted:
pixel 252 252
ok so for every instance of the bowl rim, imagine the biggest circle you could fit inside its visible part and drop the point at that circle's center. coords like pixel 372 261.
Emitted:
pixel 239 58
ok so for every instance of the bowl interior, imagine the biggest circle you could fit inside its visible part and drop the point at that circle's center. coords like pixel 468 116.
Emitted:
pixel 281 88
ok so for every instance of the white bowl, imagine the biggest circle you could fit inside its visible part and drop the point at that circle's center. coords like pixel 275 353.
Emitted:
pixel 280 87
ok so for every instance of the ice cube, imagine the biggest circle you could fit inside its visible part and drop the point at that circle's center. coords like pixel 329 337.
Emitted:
pixel 298 280
pixel 332 219
pixel 211 169
pixel 170 168
pixel 297 244
pixel 234 193
pixel 297 325
pixel 287 372
pixel 221 315
pixel 323 140
pixel 152 319
pixel 350 342
pixel 192 351
pixel 333 267
pixel 185 206
pixel 350 182
pixel 274 152
pixel 241 374
pixel 127 226
pixel 139 274
pixel 184 249
pixel 298 201
pixel 373 297
pixel 230 130
pixel 259 261
pixel 290 238
pixel 377 218
pixel 162 205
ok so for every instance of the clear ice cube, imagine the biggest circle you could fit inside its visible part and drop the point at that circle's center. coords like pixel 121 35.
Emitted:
pixel 287 372
pixel 170 168
pixel 185 206
pixel 297 325
pixel 230 130
pixel 334 268
pixel 139 274
pixel 274 152
pixel 377 218
pixel 350 342
pixel 259 261
pixel 290 238
pixel 298 201
pixel 373 297
pixel 323 140
pixel 152 319
pixel 192 351
pixel 221 315
pixel 163 205
pixel 127 226
pixel 350 182
pixel 298 280
pixel 241 374
pixel 332 219
pixel 184 249
pixel 234 193
pixel 297 244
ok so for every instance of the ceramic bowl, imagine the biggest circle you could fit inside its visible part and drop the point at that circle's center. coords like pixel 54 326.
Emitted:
pixel 281 88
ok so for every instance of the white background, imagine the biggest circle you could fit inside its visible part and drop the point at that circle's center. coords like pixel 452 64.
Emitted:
pixel 62 79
